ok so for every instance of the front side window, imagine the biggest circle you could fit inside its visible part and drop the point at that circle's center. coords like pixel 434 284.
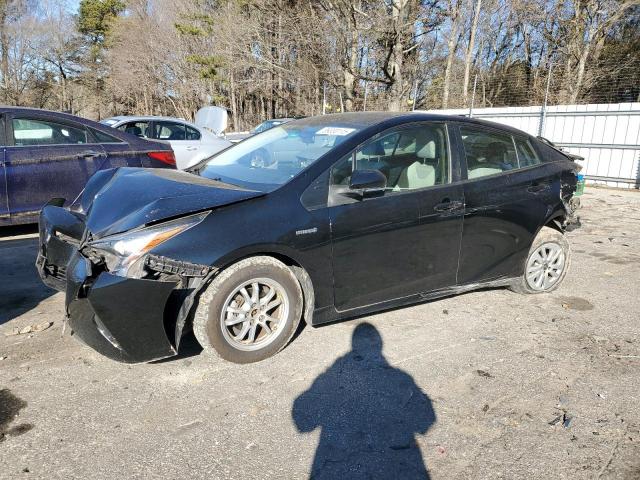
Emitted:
pixel 410 158
pixel 169 131
pixel 487 152
pixel 28 132
pixel 526 154
pixel 139 129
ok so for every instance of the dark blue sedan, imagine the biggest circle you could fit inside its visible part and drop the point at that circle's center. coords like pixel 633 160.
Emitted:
pixel 46 155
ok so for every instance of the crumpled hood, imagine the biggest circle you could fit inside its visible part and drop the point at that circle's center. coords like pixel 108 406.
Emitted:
pixel 118 200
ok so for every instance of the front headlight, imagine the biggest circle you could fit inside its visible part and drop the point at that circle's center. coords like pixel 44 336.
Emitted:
pixel 123 250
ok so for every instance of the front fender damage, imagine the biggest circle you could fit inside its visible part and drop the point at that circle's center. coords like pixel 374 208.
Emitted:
pixel 122 318
pixel 191 280
pixel 133 319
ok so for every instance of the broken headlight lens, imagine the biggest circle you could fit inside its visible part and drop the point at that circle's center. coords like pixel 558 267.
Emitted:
pixel 121 251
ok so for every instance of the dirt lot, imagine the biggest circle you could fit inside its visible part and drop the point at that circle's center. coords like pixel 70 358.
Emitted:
pixel 489 384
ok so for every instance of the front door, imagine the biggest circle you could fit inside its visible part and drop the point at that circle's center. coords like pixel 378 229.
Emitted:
pixel 46 158
pixel 404 240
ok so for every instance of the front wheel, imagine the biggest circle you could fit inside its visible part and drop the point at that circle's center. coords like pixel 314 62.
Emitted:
pixel 250 311
pixel 547 264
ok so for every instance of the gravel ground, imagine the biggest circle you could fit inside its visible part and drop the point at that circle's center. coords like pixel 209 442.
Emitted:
pixel 489 384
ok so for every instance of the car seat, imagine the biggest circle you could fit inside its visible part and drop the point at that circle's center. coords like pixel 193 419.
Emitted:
pixel 421 173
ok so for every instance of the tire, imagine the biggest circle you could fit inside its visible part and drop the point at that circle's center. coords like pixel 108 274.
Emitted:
pixel 226 316
pixel 544 244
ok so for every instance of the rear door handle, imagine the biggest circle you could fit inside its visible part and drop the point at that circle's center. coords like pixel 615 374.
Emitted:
pixel 91 154
pixel 448 205
pixel 538 188
pixel 192 149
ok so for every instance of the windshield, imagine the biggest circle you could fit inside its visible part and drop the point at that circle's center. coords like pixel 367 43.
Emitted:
pixel 270 159
pixel 264 126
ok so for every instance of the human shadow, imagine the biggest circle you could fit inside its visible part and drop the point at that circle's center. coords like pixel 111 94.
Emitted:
pixel 369 413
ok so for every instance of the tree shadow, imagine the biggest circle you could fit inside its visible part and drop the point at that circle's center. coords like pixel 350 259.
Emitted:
pixel 369 413
pixel 22 288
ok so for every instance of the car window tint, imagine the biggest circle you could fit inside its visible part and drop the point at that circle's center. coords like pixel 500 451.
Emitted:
pixel 410 158
pixel 27 132
pixel 526 154
pixel 487 152
pixel 169 131
pixel 139 129
pixel 102 137
pixel 192 134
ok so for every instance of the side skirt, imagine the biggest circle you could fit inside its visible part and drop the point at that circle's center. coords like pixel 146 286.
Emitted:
pixel 330 314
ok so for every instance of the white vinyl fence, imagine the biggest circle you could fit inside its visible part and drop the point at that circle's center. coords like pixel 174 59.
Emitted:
pixel 606 135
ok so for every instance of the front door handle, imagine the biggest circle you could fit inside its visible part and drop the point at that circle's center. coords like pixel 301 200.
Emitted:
pixel 449 205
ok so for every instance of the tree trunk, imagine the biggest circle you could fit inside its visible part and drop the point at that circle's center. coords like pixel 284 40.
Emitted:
pixel 452 45
pixel 397 55
pixel 469 57
pixel 4 45
pixel 349 78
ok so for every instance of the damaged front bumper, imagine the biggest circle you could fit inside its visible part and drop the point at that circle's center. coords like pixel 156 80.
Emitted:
pixel 127 319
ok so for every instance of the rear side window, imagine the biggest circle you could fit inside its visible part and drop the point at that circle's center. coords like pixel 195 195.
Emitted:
pixel 169 131
pixel 487 152
pixel 411 158
pixel 103 137
pixel 526 154
pixel 139 129
pixel 193 134
pixel 31 132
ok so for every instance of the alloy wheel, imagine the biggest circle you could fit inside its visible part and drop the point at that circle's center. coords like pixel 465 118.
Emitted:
pixel 545 266
pixel 254 313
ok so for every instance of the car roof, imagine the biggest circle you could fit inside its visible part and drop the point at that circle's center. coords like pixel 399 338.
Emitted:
pixel 361 120
pixel 13 109
pixel 122 118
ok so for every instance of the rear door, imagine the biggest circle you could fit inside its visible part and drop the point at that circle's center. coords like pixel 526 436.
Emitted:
pixel 185 143
pixel 47 157
pixel 507 196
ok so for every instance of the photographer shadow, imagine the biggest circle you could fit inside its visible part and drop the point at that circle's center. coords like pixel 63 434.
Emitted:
pixel 369 414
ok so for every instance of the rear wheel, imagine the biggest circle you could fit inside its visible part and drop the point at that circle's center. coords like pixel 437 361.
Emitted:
pixel 547 264
pixel 250 311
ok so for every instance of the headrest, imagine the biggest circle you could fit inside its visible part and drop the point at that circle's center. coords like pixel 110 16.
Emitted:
pixel 135 130
pixel 426 145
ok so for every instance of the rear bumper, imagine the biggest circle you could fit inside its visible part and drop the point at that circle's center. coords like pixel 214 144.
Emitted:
pixel 122 318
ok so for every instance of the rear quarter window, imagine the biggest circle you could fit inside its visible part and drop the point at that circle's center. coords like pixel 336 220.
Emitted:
pixel 527 156
pixel 102 137
pixel 547 153
pixel 192 134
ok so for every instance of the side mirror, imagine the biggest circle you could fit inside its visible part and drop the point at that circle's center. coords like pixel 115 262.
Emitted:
pixel 368 180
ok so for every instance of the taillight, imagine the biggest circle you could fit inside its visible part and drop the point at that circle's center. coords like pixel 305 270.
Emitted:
pixel 164 156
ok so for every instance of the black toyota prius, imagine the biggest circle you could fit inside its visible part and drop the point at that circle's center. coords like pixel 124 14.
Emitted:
pixel 316 220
